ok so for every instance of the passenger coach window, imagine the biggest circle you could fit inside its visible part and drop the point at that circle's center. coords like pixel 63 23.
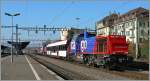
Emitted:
pixel 63 48
pixel 60 48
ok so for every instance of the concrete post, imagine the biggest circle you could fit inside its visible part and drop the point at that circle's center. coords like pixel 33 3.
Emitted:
pixel 137 40
pixel 16 39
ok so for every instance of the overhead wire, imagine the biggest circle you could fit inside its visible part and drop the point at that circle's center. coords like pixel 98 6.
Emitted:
pixel 61 13
pixel 91 20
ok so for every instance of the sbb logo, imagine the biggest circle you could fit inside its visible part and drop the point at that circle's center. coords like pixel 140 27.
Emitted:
pixel 83 45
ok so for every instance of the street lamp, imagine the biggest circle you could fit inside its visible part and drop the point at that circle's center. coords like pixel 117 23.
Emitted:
pixel 12 15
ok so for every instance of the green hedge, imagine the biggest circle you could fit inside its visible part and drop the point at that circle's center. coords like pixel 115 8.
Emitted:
pixel 145 49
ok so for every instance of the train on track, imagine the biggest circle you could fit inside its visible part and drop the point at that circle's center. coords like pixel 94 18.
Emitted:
pixel 106 51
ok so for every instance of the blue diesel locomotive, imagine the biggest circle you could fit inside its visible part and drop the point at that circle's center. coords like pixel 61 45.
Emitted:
pixel 107 51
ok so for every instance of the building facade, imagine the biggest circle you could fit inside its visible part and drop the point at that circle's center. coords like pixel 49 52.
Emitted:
pixel 134 24
pixel 104 26
pixel 65 34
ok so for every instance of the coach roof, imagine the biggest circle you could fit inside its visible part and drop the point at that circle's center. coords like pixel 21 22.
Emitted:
pixel 57 43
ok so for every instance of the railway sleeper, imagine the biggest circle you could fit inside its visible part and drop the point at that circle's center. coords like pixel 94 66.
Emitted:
pixel 64 73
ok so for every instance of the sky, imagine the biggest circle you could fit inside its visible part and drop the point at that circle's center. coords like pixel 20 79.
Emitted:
pixel 60 13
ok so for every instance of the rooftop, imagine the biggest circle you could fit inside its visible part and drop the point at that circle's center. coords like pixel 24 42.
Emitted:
pixel 116 18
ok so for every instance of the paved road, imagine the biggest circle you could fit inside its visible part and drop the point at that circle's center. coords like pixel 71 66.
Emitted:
pixel 25 68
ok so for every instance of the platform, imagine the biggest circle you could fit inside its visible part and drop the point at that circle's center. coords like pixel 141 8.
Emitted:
pixel 25 68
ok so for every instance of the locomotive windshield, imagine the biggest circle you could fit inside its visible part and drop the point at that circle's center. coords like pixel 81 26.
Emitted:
pixel 91 35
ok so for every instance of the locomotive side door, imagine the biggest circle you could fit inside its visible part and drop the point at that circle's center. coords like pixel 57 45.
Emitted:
pixel 101 46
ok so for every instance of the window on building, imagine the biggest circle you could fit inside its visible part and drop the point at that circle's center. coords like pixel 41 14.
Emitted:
pixel 143 24
pixel 129 23
pixel 122 33
pixel 127 33
pixel 142 32
pixel 140 40
pixel 132 33
pixel 115 30
pixel 126 25
pixel 98 31
pixel 140 23
pixel 132 24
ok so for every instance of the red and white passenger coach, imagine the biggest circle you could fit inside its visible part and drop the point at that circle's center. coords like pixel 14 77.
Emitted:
pixel 57 48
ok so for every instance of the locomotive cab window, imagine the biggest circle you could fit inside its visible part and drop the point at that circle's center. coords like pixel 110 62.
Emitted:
pixel 91 35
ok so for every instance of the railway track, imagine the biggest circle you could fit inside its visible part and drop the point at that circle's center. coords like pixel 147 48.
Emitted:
pixel 62 72
pixel 132 72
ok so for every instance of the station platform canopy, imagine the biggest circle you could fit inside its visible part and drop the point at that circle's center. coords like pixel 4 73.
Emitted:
pixel 4 47
pixel 19 45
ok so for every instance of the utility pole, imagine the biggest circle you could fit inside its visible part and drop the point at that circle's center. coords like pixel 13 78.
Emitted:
pixel 77 21
pixel 137 41
pixel 16 39
pixel 123 27
pixel 12 41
